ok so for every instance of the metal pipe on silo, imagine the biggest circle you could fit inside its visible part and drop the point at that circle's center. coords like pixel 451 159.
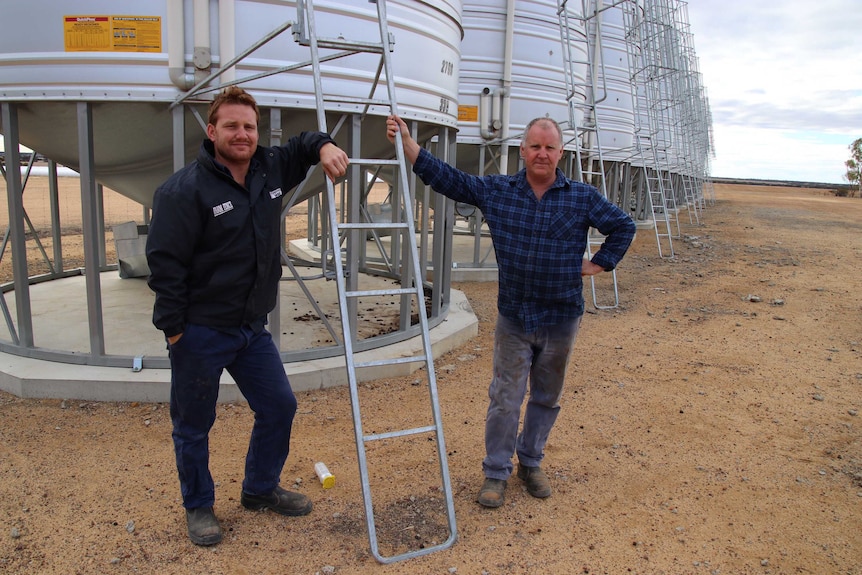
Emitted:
pixel 202 53
pixel 509 38
pixel 177 46
pixel 227 37
pixel 489 114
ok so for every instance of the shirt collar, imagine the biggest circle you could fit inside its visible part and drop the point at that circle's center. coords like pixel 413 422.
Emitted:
pixel 560 181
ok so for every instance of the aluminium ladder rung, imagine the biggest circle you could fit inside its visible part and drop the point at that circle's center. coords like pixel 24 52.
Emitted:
pixel 379 292
pixel 356 100
pixel 392 361
pixel 401 433
pixel 340 44
pixel 371 225
pixel 374 161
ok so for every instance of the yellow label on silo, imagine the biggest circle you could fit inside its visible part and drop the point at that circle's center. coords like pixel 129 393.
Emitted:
pixel 112 33
pixel 468 113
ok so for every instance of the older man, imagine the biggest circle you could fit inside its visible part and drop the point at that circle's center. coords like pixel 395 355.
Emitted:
pixel 539 222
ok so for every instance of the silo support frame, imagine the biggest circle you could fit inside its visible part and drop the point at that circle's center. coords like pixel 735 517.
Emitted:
pixel 90 212
pixel 14 193
pixel 355 229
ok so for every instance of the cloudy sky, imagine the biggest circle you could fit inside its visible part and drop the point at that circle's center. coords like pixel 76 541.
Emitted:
pixel 784 83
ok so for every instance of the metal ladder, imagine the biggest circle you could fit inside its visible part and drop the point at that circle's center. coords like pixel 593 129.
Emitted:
pixel 588 164
pixel 347 282
pixel 692 199
pixel 656 71
pixel 643 136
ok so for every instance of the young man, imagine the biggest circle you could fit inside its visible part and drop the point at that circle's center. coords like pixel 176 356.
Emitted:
pixel 213 250
pixel 539 222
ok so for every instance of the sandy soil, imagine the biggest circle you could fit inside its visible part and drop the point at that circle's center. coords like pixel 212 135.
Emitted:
pixel 710 426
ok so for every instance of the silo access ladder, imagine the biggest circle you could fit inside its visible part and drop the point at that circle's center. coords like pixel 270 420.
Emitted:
pixel 643 137
pixel 356 231
pixel 589 164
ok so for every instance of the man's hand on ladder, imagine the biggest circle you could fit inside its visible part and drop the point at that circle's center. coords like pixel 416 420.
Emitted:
pixel 334 160
pixel 394 124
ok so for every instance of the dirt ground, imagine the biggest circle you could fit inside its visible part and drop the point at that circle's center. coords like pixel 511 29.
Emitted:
pixel 709 426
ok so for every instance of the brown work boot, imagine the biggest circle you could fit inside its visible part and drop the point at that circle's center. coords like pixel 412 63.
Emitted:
pixel 203 526
pixel 536 480
pixel 491 494
pixel 280 500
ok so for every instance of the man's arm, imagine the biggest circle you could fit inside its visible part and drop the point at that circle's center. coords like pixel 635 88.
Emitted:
pixel 442 177
pixel 333 160
pixel 394 124
pixel 619 228
pixel 170 243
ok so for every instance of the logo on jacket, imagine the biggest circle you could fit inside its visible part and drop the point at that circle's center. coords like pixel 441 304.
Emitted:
pixel 276 193
pixel 222 209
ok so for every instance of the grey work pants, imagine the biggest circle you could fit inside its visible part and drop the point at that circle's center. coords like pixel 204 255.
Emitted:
pixel 542 358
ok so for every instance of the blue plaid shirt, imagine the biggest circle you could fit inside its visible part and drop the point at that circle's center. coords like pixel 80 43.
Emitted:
pixel 539 245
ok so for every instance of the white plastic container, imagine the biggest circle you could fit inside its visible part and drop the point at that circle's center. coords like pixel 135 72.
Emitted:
pixel 327 479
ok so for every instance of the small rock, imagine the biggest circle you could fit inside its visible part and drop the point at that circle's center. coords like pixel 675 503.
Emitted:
pixel 818 397
pixel 853 412
pixel 130 526
pixel 15 533
pixel 753 298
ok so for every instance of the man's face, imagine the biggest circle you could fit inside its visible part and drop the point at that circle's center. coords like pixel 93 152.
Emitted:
pixel 234 134
pixel 542 150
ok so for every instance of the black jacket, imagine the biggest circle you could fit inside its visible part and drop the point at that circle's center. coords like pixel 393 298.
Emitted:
pixel 213 245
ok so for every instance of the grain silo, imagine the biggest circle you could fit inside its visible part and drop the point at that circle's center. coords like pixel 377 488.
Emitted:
pixel 120 95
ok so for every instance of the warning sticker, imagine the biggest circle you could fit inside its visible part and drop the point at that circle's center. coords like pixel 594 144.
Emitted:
pixel 112 33
pixel 468 113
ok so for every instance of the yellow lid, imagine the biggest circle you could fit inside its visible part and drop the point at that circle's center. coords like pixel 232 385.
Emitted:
pixel 328 481
pixel 326 478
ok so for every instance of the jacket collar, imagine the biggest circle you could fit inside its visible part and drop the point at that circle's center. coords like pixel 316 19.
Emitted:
pixel 206 156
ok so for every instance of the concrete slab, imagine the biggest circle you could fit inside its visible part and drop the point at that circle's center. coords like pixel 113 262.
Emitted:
pixel 60 323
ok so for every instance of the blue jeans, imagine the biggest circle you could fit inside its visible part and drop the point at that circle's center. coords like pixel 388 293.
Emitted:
pixel 197 362
pixel 542 357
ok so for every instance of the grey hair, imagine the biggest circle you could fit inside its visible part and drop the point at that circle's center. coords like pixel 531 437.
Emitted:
pixel 545 119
